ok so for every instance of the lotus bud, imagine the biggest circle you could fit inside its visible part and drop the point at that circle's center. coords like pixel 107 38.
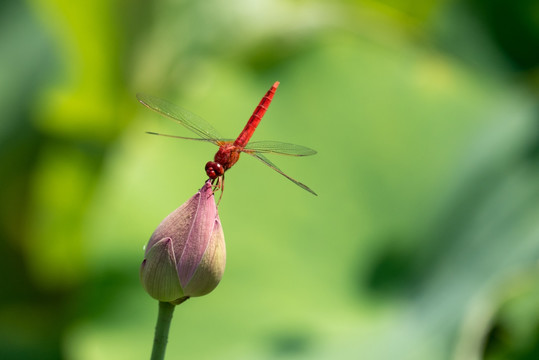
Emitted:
pixel 186 254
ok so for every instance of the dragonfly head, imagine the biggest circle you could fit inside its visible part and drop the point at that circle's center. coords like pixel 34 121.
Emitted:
pixel 214 169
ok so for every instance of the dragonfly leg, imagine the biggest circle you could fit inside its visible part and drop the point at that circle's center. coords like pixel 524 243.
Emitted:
pixel 221 185
pixel 218 184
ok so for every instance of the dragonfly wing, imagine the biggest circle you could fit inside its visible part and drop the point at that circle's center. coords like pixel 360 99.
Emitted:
pixel 266 161
pixel 216 142
pixel 186 118
pixel 277 147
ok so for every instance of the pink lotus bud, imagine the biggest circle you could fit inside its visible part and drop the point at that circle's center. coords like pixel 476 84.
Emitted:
pixel 186 254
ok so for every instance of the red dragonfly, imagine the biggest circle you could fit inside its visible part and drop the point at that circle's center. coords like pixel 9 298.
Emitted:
pixel 229 150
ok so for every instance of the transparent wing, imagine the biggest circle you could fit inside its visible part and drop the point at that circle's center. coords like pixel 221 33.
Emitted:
pixel 277 147
pixel 266 161
pixel 218 142
pixel 186 118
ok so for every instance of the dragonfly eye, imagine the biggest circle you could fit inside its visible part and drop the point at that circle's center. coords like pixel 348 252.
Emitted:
pixel 214 169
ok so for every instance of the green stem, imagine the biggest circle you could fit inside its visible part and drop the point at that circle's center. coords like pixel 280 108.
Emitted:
pixel 164 317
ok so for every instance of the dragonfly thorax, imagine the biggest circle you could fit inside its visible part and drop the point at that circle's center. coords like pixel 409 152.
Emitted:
pixel 227 155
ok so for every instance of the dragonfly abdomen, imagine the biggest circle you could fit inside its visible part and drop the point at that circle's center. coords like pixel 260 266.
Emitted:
pixel 254 120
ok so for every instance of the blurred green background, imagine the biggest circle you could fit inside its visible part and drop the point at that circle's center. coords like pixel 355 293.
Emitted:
pixel 424 239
